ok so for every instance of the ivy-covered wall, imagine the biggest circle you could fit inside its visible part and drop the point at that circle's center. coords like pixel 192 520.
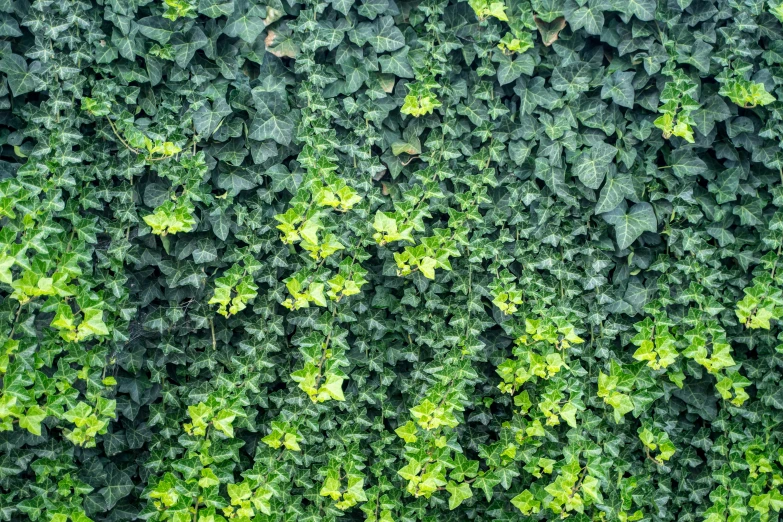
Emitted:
pixel 393 261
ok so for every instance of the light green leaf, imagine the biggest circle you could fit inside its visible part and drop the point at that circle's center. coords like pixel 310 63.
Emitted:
pixel 459 493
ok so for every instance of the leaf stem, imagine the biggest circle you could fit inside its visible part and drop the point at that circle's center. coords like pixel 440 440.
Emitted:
pixel 114 129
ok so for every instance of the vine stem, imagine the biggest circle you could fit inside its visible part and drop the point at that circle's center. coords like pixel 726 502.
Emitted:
pixel 578 484
pixel 780 250
pixel 16 320
pixel 198 487
pixel 647 453
pixel 114 129
pixel 325 348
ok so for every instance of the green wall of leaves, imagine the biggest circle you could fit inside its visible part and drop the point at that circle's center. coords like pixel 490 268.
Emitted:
pixel 394 261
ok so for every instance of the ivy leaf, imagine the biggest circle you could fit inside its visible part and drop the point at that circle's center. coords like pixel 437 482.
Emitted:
pixel 487 483
pixel 510 69
pixel 614 191
pixel 222 422
pixel 382 34
pixel 372 8
pixel 6 262
pixel 630 225
pixel 396 63
pixel 618 87
pixel 333 386
pixel 684 162
pixel 244 24
pixel 32 419
pixel 459 493
pixel 92 323
pixel 118 486
pixel 547 10
pixel 186 45
pixel 157 28
pixel 208 117
pixel 9 26
pixel 725 187
pixel 591 487
pixel 713 110
pixel 592 166
pixel 643 9
pixel 700 397
pixel 588 16
pixel 21 78
pixel 343 6
pixel 236 180
pixel 204 252
pixel 268 126
pixel 216 8
pixel 526 503
pixel 427 267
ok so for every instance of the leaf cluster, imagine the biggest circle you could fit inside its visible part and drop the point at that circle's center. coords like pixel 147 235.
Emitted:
pixel 391 260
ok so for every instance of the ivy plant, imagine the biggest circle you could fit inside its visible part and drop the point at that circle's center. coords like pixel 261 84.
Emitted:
pixel 391 260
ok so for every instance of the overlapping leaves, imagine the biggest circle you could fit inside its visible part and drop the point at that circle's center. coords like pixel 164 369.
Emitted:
pixel 394 261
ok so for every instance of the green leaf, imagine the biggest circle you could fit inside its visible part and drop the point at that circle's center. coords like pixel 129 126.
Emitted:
pixel 21 78
pixel 396 63
pixel 92 323
pixel 383 34
pixel 235 181
pixel 118 486
pixel 271 127
pixel 157 28
pixel 592 166
pixel 343 6
pixel 333 387
pixel 547 10
pixel 619 88
pixel 186 45
pixel 427 266
pixel 526 503
pixel 630 225
pixel 713 110
pixel 589 16
pixel 458 493
pixel 407 432
pixel 592 489
pixel 208 117
pixel 216 8
pixel 684 162
pixel 244 24
pixel 31 420
pixel 510 69
pixel 9 26
pixel 6 262
pixel 614 192
pixel 643 9
pixel 222 422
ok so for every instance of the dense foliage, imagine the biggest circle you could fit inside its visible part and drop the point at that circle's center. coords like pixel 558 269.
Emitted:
pixel 391 261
